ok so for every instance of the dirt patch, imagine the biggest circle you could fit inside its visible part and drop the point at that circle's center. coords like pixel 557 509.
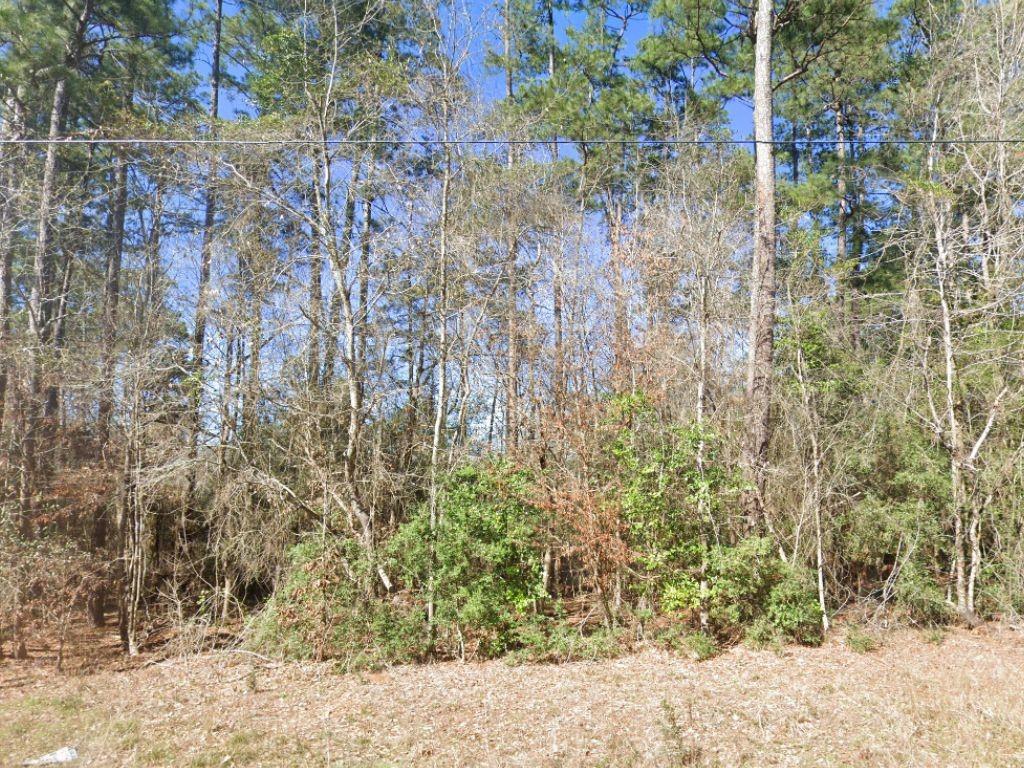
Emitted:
pixel 915 701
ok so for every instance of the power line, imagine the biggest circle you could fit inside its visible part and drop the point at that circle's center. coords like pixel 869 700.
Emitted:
pixel 141 141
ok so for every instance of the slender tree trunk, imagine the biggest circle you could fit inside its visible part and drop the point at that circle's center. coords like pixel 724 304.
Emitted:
pixel 41 300
pixel 703 511
pixel 974 545
pixel 133 534
pixel 441 404
pixel 228 394
pixel 512 417
pixel 557 266
pixel 843 216
pixel 341 291
pixel 762 282
pixel 316 301
pixel 150 285
pixel 40 313
pixel 954 433
pixel 112 295
pixel 621 343
pixel 858 240
pixel 339 253
pixel 945 279
pixel 363 276
pixel 465 333
pixel 205 255
pixel 5 310
pixel 955 436
pixel 12 129
pixel 111 298
pixel 816 482
pixel 249 380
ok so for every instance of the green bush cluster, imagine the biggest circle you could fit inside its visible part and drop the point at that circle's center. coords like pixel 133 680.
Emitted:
pixel 319 611
pixel 750 592
pixel 482 565
pixel 553 639
pixel 480 570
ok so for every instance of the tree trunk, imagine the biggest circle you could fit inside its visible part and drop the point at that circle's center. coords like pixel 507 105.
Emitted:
pixel 339 270
pixel 111 298
pixel 40 313
pixel 315 309
pixel 205 255
pixel 703 510
pixel 363 273
pixel 441 405
pixel 843 215
pixel 511 265
pixel 557 289
pixel 14 130
pixel 762 282
pixel 512 371
pixel 112 295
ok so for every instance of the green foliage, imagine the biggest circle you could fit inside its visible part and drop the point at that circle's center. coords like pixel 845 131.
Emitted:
pixel 920 597
pixel 319 612
pixel 485 557
pixel 901 513
pixel 935 635
pixel 680 637
pixel 749 582
pixel 762 634
pixel 683 593
pixel 749 592
pixel 701 646
pixel 793 607
pixel 670 484
pixel 553 639
pixel 861 641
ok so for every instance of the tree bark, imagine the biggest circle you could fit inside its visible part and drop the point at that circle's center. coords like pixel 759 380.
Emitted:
pixel 112 295
pixel 13 129
pixel 843 215
pixel 111 298
pixel 511 265
pixel 441 404
pixel 762 282
pixel 40 313
pixel 316 299
pixel 557 289
pixel 206 251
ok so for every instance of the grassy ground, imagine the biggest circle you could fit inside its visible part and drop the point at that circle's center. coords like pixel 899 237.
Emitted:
pixel 916 699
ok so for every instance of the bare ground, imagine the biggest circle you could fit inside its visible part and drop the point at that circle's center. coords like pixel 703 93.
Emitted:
pixel 919 700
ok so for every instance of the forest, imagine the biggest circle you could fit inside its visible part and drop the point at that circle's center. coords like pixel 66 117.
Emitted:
pixel 394 331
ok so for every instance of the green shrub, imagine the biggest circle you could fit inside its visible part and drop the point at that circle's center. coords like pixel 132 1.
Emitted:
pixel 861 641
pixel 546 639
pixel 793 607
pixel 935 635
pixel 319 611
pixel 486 561
pixel 920 598
pixel 763 634
pixel 682 593
pixel 701 646
pixel 666 496
pixel 750 585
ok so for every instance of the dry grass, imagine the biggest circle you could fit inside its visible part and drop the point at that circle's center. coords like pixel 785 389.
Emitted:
pixel 911 702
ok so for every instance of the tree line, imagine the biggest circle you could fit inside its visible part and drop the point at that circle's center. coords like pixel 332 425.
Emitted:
pixel 415 329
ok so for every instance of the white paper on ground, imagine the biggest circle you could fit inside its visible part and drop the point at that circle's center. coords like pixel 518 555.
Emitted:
pixel 62 755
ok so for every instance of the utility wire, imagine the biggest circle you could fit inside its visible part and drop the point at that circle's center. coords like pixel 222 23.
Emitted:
pixel 501 142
